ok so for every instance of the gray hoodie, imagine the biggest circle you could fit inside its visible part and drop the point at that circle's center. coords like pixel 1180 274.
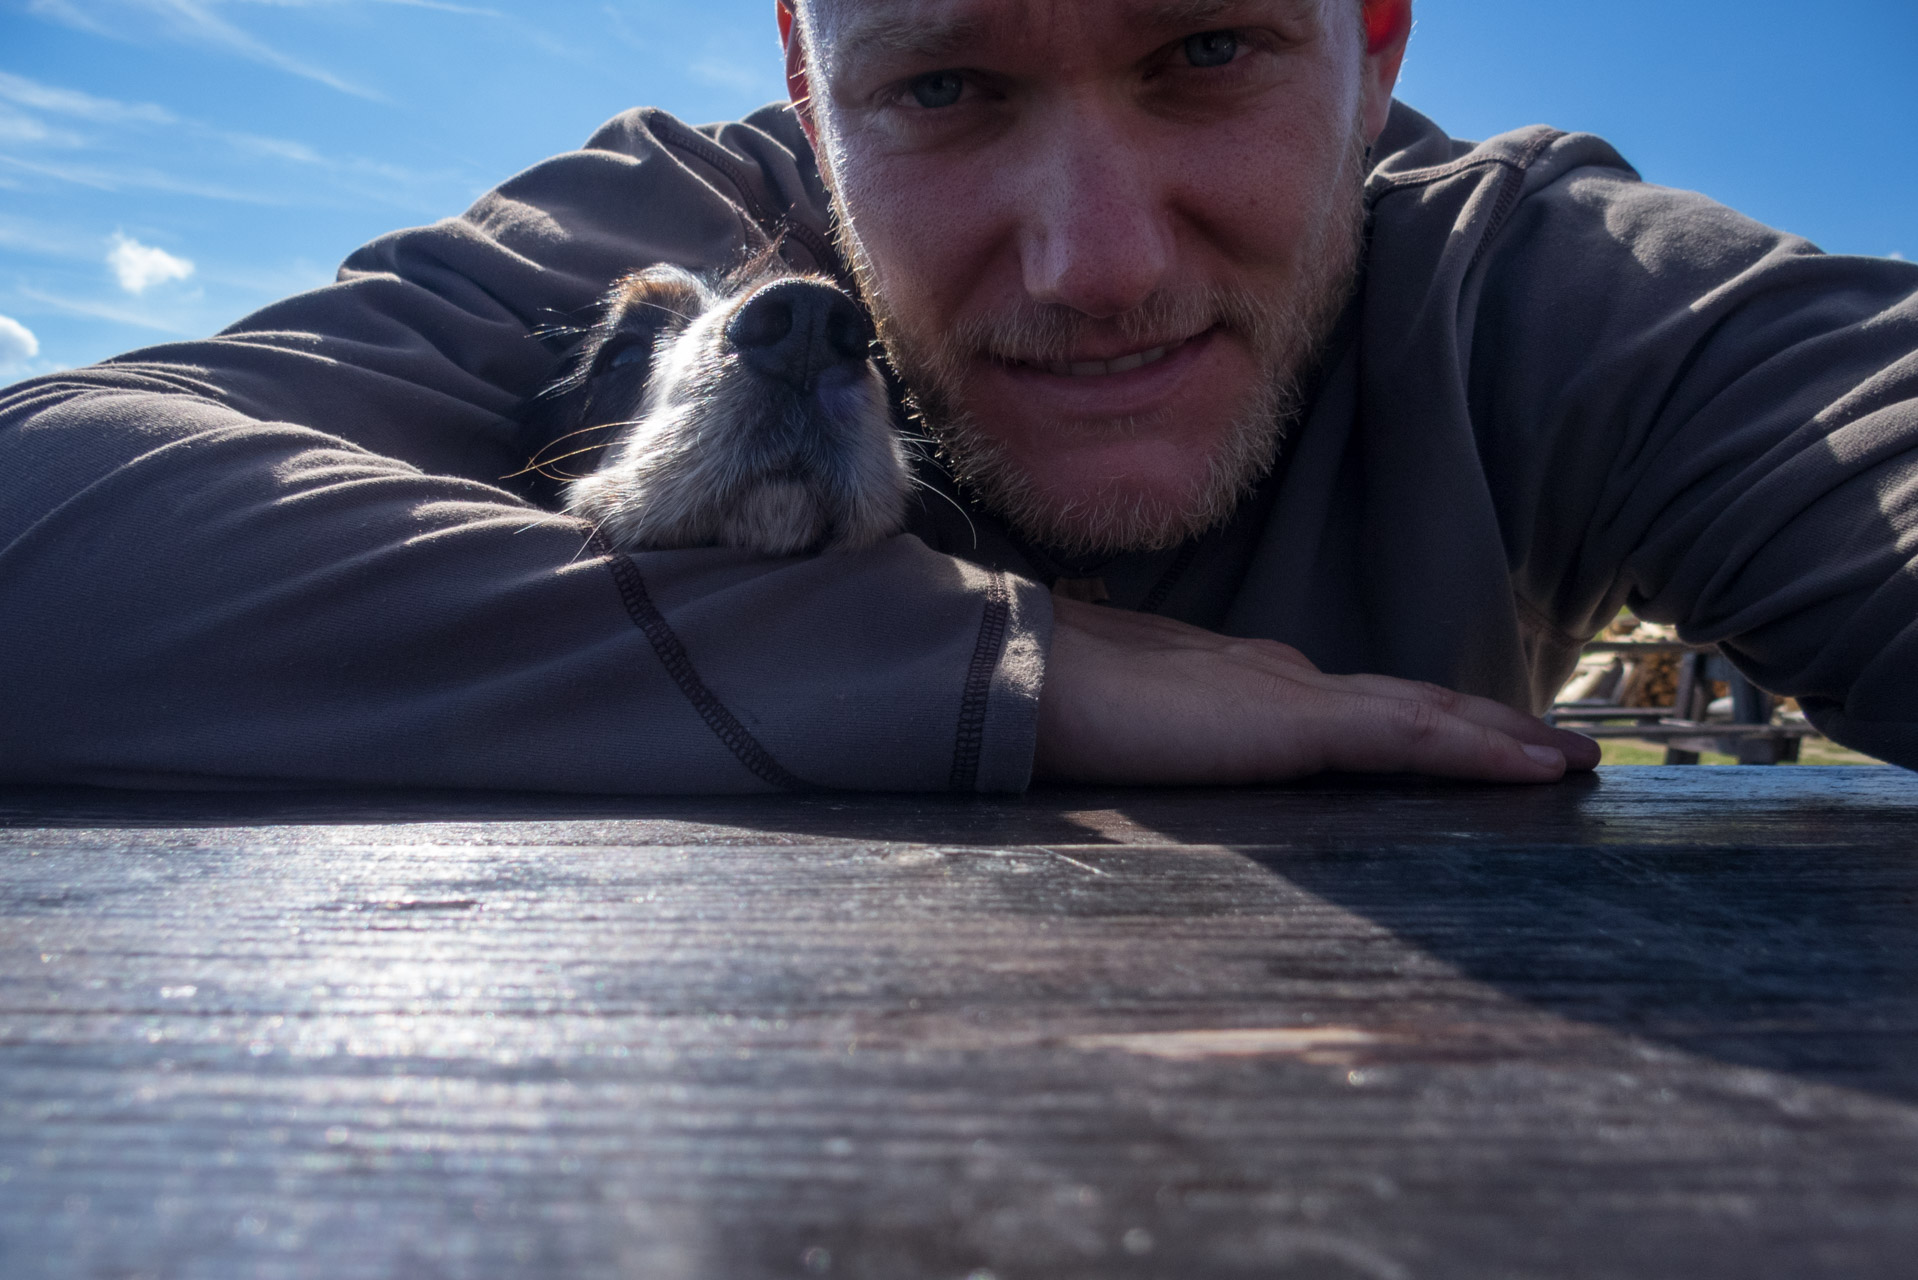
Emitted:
pixel 288 553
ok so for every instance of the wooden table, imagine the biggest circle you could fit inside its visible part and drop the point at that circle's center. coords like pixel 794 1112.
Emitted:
pixel 1659 1023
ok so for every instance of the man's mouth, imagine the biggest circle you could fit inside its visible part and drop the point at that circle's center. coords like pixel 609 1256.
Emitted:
pixel 1100 368
pixel 1106 368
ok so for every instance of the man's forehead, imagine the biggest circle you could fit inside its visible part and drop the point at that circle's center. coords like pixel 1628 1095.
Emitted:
pixel 934 28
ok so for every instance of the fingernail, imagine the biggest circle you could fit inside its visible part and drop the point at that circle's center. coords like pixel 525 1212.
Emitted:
pixel 1584 746
pixel 1545 757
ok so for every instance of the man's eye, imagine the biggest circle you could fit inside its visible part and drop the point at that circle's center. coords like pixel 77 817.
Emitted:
pixel 939 89
pixel 1212 48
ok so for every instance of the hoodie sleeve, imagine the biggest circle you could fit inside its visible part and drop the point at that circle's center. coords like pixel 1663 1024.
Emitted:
pixel 1714 422
pixel 286 554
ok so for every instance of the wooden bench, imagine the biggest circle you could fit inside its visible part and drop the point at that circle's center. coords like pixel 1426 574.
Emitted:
pixel 1753 735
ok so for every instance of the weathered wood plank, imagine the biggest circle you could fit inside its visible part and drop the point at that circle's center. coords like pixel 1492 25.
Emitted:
pixel 1662 1023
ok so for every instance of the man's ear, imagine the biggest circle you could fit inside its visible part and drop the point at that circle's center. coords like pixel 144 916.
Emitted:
pixel 1388 25
pixel 798 86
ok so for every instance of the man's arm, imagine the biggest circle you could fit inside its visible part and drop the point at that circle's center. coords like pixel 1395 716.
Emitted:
pixel 1710 421
pixel 281 555
pixel 284 555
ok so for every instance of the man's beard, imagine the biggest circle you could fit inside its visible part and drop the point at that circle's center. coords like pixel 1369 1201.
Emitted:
pixel 1286 335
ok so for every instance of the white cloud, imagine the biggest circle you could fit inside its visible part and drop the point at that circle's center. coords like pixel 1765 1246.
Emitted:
pixel 1895 256
pixel 17 343
pixel 140 267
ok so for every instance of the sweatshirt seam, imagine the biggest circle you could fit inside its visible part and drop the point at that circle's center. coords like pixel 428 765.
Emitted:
pixel 672 655
pixel 1465 164
pixel 1510 189
pixel 969 743
pixel 1426 177
pixel 675 135
pixel 1532 616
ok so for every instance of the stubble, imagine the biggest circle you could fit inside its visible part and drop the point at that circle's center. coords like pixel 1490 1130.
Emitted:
pixel 1286 334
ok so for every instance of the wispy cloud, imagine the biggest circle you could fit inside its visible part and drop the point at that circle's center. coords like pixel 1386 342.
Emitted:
pixel 24 135
pixel 71 14
pixel 20 128
pixel 46 239
pixel 277 148
pixel 283 281
pixel 197 21
pixel 438 6
pixel 194 22
pixel 83 106
pixel 139 178
pixel 397 179
pixel 138 319
pixel 730 75
pixel 139 267
pixel 201 22
pixel 33 144
pixel 718 51
pixel 17 343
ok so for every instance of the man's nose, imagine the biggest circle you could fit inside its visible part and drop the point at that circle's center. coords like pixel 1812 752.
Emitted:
pixel 1096 233
pixel 794 330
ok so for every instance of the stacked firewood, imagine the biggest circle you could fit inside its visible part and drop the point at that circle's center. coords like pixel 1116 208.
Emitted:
pixel 1653 679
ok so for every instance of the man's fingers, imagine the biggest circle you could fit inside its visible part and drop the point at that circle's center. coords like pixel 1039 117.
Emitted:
pixel 1579 751
pixel 1137 698
pixel 1409 735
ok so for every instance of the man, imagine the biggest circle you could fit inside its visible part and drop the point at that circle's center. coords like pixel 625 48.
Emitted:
pixel 1204 325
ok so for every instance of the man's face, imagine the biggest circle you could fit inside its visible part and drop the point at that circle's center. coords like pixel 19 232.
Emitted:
pixel 1101 237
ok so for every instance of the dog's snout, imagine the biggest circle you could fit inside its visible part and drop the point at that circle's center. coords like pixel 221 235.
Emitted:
pixel 794 330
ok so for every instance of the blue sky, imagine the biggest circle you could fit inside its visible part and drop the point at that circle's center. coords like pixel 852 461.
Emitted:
pixel 166 166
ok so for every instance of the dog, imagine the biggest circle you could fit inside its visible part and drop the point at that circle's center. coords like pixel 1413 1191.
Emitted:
pixel 744 412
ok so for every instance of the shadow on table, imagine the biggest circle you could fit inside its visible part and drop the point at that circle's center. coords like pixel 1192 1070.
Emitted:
pixel 1750 957
pixel 1754 917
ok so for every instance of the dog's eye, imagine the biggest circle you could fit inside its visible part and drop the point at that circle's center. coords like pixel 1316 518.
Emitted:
pixel 624 356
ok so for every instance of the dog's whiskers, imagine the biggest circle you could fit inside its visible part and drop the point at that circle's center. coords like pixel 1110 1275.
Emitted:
pixel 965 515
pixel 536 463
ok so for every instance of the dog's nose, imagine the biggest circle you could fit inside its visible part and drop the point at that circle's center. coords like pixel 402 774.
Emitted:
pixel 794 330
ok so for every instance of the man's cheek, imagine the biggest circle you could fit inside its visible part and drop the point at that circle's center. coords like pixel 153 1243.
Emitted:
pixel 925 231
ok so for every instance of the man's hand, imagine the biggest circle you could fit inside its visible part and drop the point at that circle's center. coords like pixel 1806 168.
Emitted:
pixel 1133 698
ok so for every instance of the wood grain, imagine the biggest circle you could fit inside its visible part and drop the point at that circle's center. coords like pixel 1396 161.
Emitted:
pixel 1657 1023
